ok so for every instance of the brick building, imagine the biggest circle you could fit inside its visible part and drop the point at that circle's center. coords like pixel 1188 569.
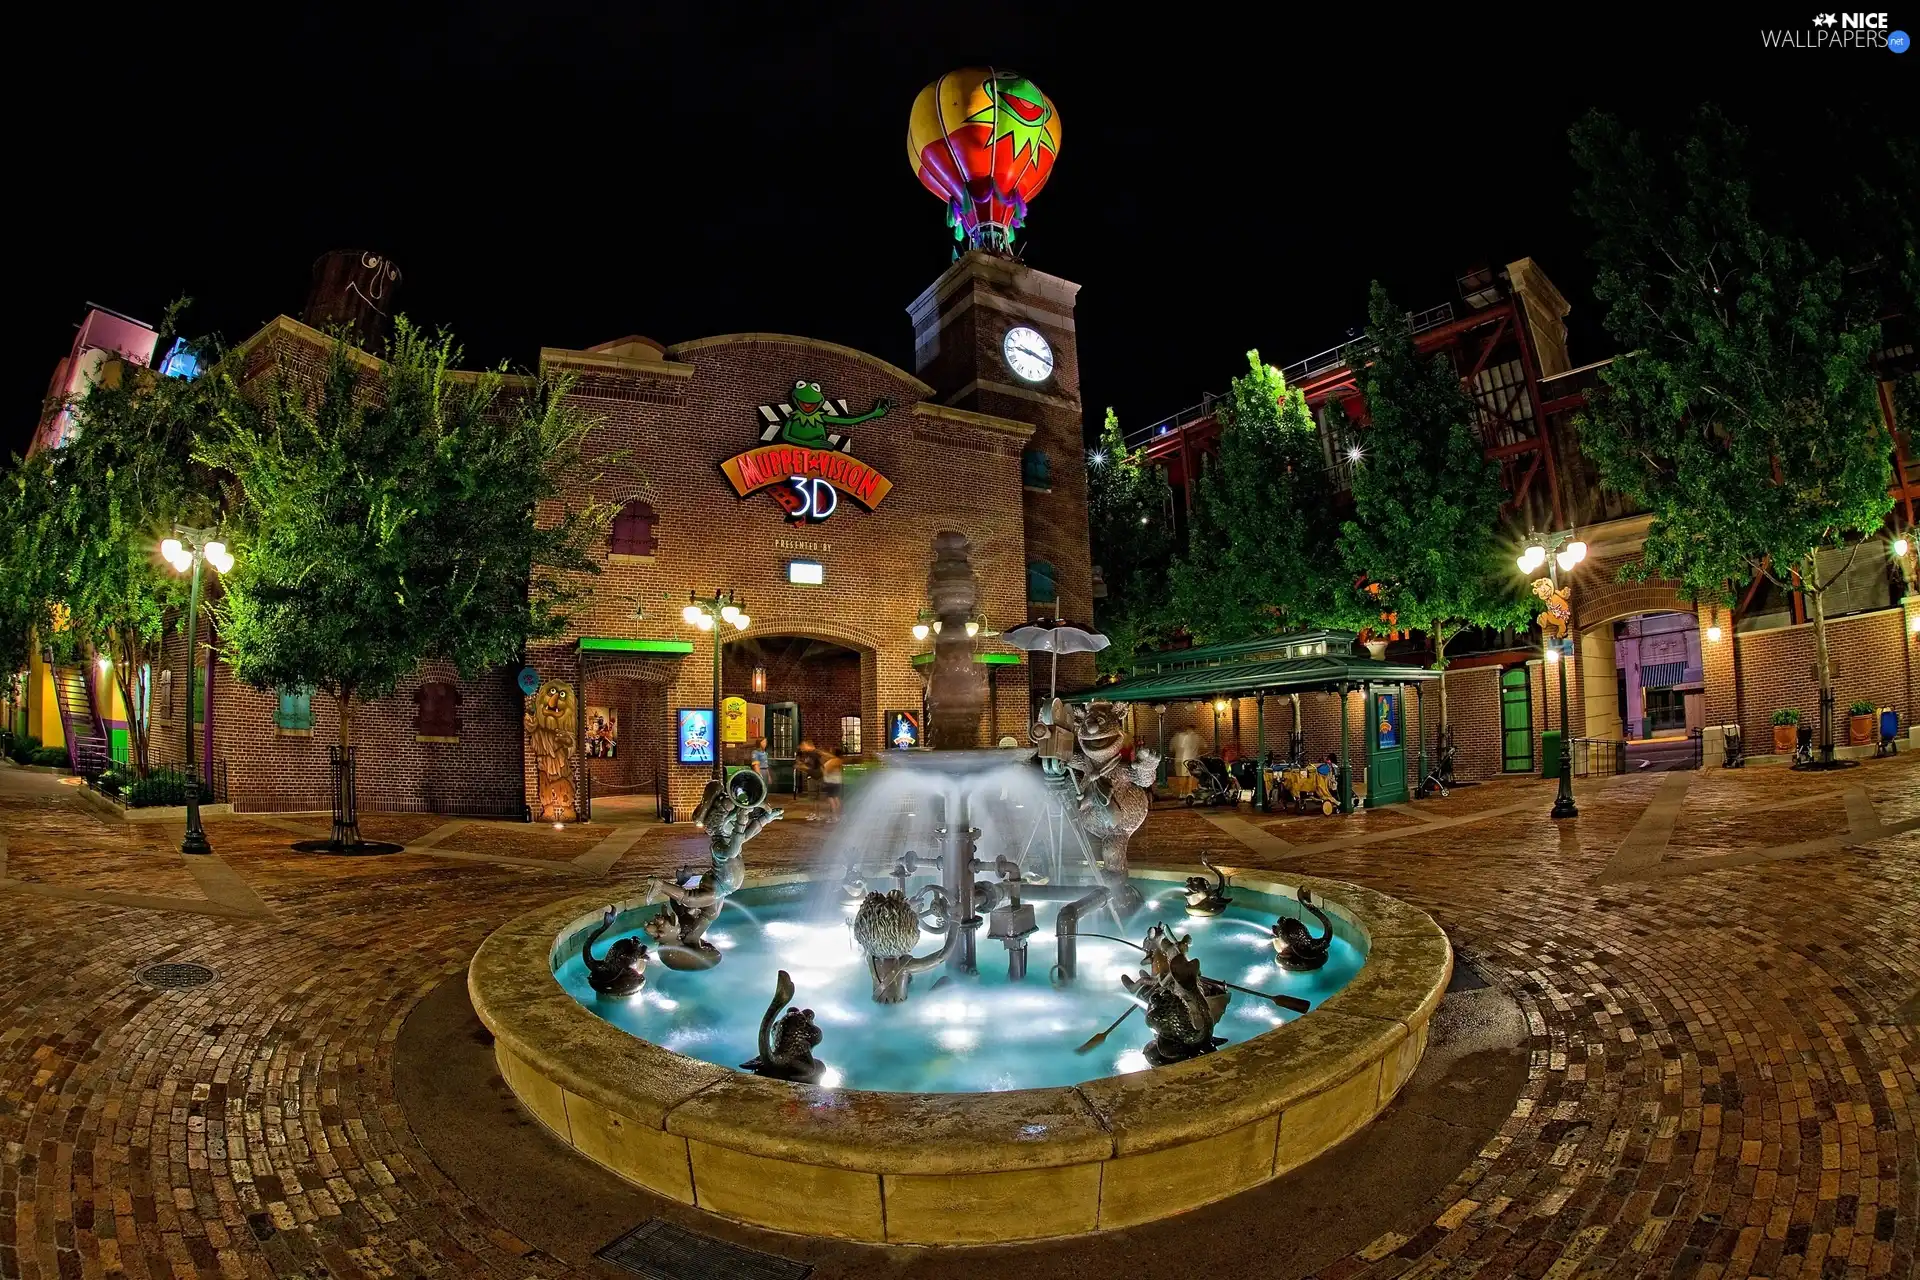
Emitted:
pixel 1506 337
pixel 691 443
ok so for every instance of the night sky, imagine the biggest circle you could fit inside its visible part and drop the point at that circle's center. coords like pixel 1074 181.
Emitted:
pixel 563 181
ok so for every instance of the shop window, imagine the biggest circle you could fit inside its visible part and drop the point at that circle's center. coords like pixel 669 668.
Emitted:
pixel 1040 588
pixel 436 716
pixel 849 735
pixel 632 533
pixel 294 716
pixel 1036 469
pixel 166 692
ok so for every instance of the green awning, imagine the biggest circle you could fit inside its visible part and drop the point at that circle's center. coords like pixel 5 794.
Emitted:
pixel 1320 674
pixel 984 659
pixel 622 644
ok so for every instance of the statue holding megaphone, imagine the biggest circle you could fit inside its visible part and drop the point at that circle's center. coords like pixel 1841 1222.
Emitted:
pixel 733 813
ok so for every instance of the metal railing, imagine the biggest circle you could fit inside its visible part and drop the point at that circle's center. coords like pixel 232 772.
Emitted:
pixel 1598 757
pixel 1172 422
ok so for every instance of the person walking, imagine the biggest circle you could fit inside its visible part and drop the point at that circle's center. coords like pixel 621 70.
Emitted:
pixel 831 776
pixel 1185 747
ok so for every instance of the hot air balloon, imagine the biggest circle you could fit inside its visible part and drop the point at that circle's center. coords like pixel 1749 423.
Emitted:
pixel 984 140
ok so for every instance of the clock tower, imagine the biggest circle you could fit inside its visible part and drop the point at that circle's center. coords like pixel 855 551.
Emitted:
pixel 994 336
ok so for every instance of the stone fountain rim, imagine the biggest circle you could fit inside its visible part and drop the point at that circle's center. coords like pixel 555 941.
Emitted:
pixel 562 1060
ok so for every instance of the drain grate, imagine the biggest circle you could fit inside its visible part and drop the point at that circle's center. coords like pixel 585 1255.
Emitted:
pixel 175 975
pixel 661 1250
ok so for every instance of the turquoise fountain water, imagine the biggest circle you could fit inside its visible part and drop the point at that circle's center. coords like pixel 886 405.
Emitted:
pixel 958 1033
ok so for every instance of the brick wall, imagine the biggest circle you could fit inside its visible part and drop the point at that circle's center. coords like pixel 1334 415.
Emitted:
pixel 1872 655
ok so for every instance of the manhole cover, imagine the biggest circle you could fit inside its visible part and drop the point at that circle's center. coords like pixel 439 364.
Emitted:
pixel 660 1250
pixel 175 975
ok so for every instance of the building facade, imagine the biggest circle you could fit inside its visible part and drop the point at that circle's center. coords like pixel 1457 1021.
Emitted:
pixel 807 478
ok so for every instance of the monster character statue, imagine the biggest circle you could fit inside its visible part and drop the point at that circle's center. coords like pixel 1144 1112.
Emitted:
pixel 1558 614
pixel 1110 796
pixel 1182 1010
pixel 1159 950
pixel 623 970
pixel 1297 949
pixel 888 929
pixel 786 1045
pixel 811 416
pixel 1204 899
pixel 553 727
pixel 695 896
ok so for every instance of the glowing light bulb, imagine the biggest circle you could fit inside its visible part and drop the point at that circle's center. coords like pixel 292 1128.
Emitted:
pixel 1713 632
pixel 691 615
pixel 730 612
pixel 1900 546
pixel 740 621
pixel 1553 655
pixel 973 628
pixel 1353 453
pixel 705 622
pixel 105 663
pixel 170 550
pixel 920 631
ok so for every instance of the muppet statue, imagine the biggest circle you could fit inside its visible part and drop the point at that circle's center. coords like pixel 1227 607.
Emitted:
pixel 695 895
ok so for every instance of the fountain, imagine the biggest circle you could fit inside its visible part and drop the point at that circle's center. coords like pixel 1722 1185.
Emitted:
pixel 942 1063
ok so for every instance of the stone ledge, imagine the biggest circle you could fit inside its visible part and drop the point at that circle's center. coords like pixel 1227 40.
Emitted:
pixel 1105 1154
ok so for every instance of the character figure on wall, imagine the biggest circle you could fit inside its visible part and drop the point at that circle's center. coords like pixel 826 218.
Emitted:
pixel 553 725
pixel 810 413
pixel 1109 796
pixel 1558 614
pixel 732 814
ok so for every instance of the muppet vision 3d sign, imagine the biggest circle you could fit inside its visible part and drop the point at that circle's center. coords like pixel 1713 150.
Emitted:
pixel 806 460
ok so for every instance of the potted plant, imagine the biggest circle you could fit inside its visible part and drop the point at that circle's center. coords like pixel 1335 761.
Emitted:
pixel 1786 723
pixel 1860 728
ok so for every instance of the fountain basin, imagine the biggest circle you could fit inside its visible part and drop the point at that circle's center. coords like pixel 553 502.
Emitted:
pixel 964 1168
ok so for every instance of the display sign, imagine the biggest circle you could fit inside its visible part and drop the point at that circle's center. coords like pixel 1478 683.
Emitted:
pixel 806 573
pixel 903 730
pixel 696 735
pixel 807 465
pixel 756 721
pixel 1386 719
pixel 602 732
pixel 733 720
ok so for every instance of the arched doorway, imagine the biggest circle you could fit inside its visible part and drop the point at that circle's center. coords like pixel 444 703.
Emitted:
pixel 800 689
pixel 1645 685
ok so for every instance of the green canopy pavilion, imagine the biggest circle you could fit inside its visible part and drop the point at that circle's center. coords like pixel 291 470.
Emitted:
pixel 1302 662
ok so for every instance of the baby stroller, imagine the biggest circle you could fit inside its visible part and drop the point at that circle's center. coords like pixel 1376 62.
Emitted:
pixel 1214 783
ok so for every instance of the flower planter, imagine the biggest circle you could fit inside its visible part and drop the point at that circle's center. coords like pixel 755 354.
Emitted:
pixel 1860 730
pixel 1783 738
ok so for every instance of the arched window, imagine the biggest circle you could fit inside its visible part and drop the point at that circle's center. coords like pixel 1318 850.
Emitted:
pixel 632 533
pixel 1036 469
pixel 1040 589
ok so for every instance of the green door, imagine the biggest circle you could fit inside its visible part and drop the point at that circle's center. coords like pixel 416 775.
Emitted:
pixel 1516 721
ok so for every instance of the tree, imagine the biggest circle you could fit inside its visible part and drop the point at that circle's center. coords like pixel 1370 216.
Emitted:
pixel 1127 508
pixel 27 592
pixel 1743 417
pixel 1261 554
pixel 386 516
pixel 124 480
pixel 1426 499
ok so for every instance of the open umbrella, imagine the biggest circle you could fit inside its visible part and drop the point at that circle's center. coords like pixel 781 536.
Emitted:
pixel 1056 640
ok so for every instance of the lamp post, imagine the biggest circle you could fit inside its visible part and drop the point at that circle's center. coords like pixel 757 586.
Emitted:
pixel 1559 552
pixel 706 613
pixel 186 551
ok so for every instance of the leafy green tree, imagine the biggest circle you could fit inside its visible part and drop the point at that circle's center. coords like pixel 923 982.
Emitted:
pixel 1261 554
pixel 28 523
pixel 1127 507
pixel 387 516
pixel 1426 499
pixel 1743 417
pixel 124 480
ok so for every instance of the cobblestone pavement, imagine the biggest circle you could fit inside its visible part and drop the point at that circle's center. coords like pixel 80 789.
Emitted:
pixel 1721 979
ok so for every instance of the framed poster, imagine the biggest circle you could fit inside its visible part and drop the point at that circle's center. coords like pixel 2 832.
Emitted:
pixel 903 730
pixel 602 733
pixel 1386 718
pixel 696 735
pixel 733 720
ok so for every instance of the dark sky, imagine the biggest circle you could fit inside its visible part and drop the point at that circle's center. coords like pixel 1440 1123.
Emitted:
pixel 562 180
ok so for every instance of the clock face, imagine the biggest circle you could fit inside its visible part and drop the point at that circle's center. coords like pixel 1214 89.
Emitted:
pixel 1028 354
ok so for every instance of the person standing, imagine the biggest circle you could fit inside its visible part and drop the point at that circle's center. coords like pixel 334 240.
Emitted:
pixel 831 777
pixel 1185 747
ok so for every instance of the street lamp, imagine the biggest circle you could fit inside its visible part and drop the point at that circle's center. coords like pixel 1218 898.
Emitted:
pixel 1559 553
pixel 706 613
pixel 186 551
pixel 1219 709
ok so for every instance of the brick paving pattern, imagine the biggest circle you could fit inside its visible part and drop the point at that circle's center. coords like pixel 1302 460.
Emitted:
pixel 1723 1075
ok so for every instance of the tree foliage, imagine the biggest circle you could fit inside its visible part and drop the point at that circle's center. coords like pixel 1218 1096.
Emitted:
pixel 1128 511
pixel 27 591
pixel 1743 416
pixel 386 516
pixel 1261 554
pixel 1426 522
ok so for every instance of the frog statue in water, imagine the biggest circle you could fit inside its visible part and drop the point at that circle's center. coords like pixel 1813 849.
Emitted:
pixel 1182 1007
pixel 695 896
pixel 786 1045
pixel 812 416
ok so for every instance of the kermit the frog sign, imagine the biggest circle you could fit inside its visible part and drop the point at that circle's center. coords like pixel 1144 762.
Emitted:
pixel 806 459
